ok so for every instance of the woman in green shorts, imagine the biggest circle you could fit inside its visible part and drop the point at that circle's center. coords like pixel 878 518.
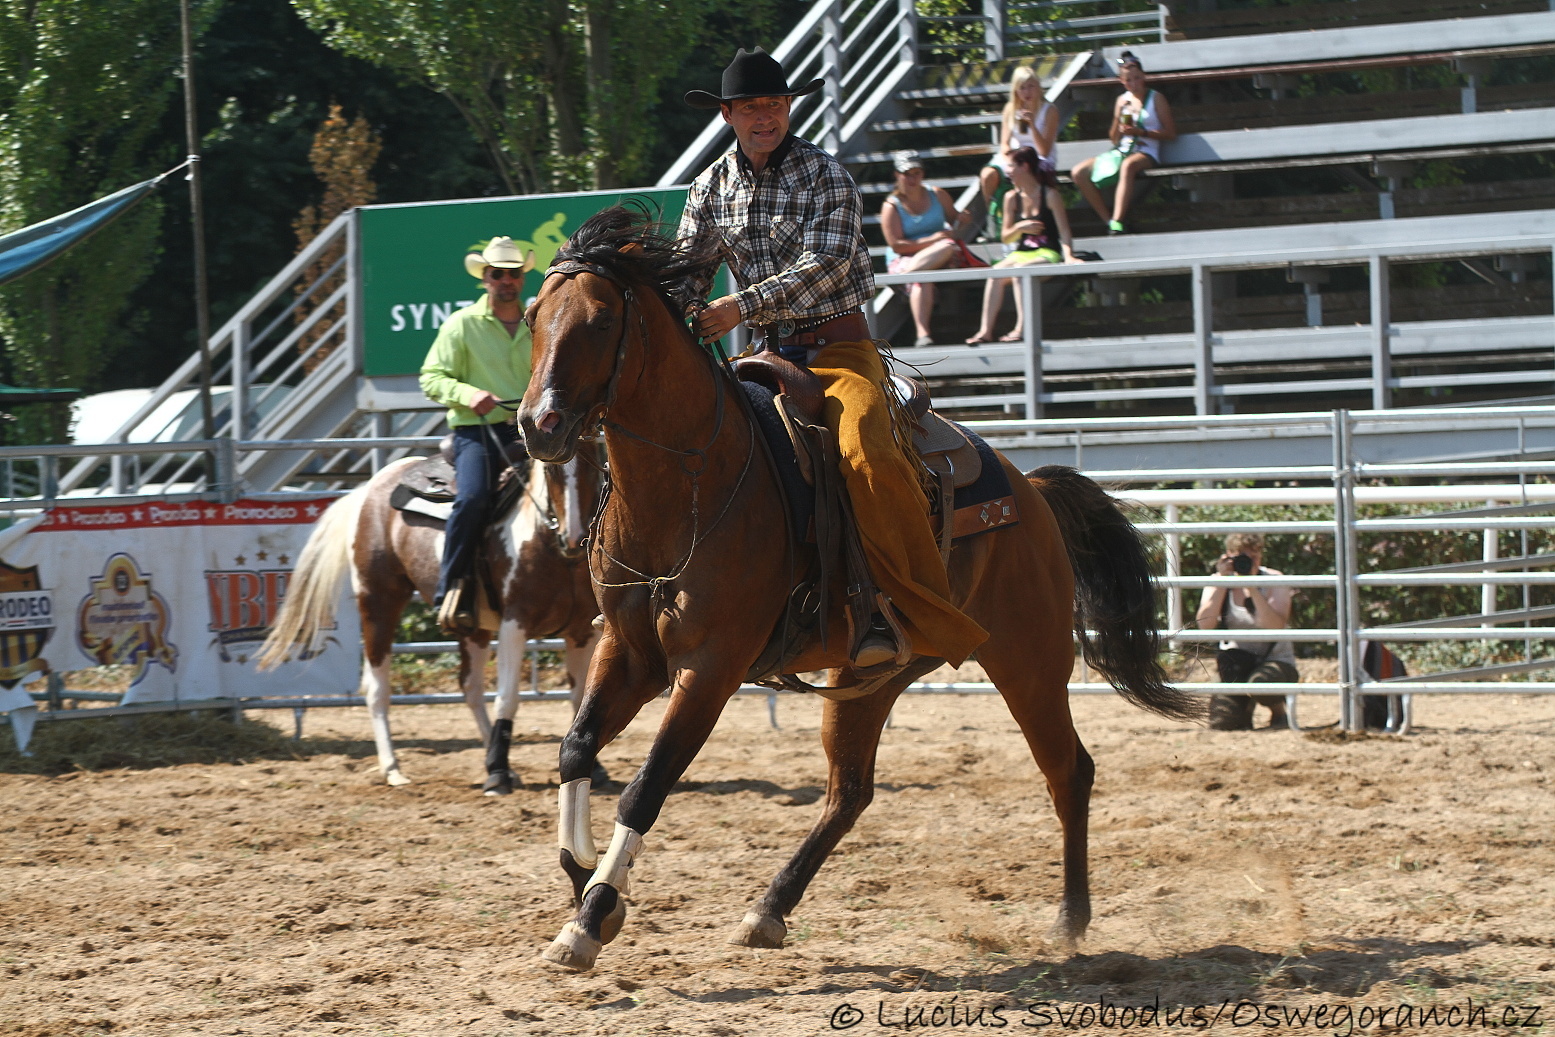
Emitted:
pixel 1029 225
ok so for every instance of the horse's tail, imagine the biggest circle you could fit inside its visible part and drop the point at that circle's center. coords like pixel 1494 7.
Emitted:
pixel 1115 615
pixel 314 588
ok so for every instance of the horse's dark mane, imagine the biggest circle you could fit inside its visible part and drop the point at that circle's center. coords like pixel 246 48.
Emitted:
pixel 631 243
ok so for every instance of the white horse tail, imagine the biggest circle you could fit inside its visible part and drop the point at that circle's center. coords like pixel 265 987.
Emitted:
pixel 314 588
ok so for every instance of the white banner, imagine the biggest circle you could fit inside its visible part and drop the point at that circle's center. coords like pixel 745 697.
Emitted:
pixel 183 593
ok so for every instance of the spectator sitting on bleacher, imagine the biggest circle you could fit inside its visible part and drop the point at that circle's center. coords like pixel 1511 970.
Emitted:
pixel 919 223
pixel 1029 223
pixel 1028 121
pixel 1141 120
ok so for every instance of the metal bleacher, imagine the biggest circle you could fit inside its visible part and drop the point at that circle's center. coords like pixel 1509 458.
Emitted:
pixel 1310 134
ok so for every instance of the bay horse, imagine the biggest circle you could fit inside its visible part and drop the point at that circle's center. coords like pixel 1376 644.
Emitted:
pixel 693 570
pixel 533 559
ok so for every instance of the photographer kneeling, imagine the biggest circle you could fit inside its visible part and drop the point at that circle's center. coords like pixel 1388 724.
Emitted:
pixel 1243 605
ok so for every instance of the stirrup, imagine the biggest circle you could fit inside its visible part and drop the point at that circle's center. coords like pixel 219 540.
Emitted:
pixel 884 645
pixel 456 616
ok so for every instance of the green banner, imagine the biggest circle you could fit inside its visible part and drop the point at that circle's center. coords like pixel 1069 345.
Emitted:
pixel 412 260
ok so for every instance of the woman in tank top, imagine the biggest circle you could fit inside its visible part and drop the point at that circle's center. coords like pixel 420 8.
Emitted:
pixel 1243 604
pixel 1035 227
pixel 1141 120
pixel 918 222
pixel 1027 121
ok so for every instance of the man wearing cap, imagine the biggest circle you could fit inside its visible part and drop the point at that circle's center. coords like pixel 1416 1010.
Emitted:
pixel 480 358
pixel 788 222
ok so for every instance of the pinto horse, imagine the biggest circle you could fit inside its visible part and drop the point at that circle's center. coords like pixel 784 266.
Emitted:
pixel 693 571
pixel 533 558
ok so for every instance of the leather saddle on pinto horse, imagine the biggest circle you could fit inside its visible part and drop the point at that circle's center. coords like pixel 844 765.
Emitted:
pixel 968 489
pixel 428 488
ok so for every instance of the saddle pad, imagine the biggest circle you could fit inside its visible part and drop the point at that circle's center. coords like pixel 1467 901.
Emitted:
pixel 800 494
pixel 402 499
pixel 988 503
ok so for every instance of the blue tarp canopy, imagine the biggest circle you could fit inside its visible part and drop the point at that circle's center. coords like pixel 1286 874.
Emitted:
pixel 29 248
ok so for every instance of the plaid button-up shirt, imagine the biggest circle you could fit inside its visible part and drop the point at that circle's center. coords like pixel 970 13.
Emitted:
pixel 792 235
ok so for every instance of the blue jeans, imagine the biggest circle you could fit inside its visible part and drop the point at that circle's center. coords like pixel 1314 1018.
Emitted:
pixel 477 466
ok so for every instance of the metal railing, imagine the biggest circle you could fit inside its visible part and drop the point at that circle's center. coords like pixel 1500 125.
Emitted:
pixel 1025 361
pixel 864 50
pixel 1515 501
pixel 993 30
pixel 277 344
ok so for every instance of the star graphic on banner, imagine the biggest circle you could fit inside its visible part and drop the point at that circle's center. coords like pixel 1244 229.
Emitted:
pixel 135 514
pixel 210 512
pixel 241 560
pixel 312 510
pixel 262 555
pixel 284 560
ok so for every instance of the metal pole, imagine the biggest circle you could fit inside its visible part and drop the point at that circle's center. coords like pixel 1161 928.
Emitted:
pixel 1174 609
pixel 1203 342
pixel 202 316
pixel 1381 328
pixel 993 29
pixel 1347 596
pixel 1031 304
pixel 831 51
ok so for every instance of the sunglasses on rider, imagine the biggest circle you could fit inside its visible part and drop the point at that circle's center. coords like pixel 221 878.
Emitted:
pixel 497 273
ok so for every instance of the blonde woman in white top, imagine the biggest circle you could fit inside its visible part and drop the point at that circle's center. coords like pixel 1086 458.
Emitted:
pixel 1028 121
pixel 1141 120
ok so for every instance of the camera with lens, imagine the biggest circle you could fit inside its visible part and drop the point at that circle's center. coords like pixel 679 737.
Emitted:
pixel 1242 564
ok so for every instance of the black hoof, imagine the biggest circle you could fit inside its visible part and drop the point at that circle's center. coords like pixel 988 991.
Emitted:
pixel 499 783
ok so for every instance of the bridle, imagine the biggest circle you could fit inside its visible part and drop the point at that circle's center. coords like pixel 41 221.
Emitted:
pixel 692 462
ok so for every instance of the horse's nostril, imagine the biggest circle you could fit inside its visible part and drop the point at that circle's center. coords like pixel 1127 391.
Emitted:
pixel 548 421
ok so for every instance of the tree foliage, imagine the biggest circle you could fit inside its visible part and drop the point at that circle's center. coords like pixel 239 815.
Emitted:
pixel 559 93
pixel 81 90
pixel 343 156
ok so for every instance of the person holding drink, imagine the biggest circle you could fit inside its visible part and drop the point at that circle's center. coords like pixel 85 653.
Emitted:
pixel 1141 121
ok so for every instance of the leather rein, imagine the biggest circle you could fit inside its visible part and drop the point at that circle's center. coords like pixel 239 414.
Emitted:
pixel 693 462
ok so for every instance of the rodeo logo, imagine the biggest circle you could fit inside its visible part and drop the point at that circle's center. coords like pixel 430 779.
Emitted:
pixel 244 604
pixel 26 623
pixel 123 621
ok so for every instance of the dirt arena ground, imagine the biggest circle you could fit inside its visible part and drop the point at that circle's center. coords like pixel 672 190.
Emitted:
pixel 1239 880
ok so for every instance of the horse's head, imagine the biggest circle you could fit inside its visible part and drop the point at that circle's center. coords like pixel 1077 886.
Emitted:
pixel 606 292
pixel 579 327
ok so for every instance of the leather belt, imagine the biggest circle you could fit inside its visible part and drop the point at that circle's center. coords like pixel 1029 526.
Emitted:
pixel 844 327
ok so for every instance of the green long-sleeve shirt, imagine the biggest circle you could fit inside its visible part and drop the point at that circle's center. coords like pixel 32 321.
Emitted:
pixel 473 351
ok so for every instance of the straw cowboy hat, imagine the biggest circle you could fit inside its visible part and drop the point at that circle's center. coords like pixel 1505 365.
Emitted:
pixel 753 73
pixel 501 251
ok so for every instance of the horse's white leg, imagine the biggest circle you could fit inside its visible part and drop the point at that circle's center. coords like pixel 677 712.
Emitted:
pixel 578 659
pixel 511 642
pixel 375 688
pixel 474 657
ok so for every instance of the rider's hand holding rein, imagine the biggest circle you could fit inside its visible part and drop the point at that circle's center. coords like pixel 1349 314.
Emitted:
pixel 717 318
pixel 483 402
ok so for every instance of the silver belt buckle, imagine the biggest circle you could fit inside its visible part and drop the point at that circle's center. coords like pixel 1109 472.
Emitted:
pixel 785 329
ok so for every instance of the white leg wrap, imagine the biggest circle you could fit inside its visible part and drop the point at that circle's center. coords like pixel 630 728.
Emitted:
pixel 575 832
pixel 617 862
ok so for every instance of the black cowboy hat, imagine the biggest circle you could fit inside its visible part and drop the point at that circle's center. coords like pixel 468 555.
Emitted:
pixel 753 73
